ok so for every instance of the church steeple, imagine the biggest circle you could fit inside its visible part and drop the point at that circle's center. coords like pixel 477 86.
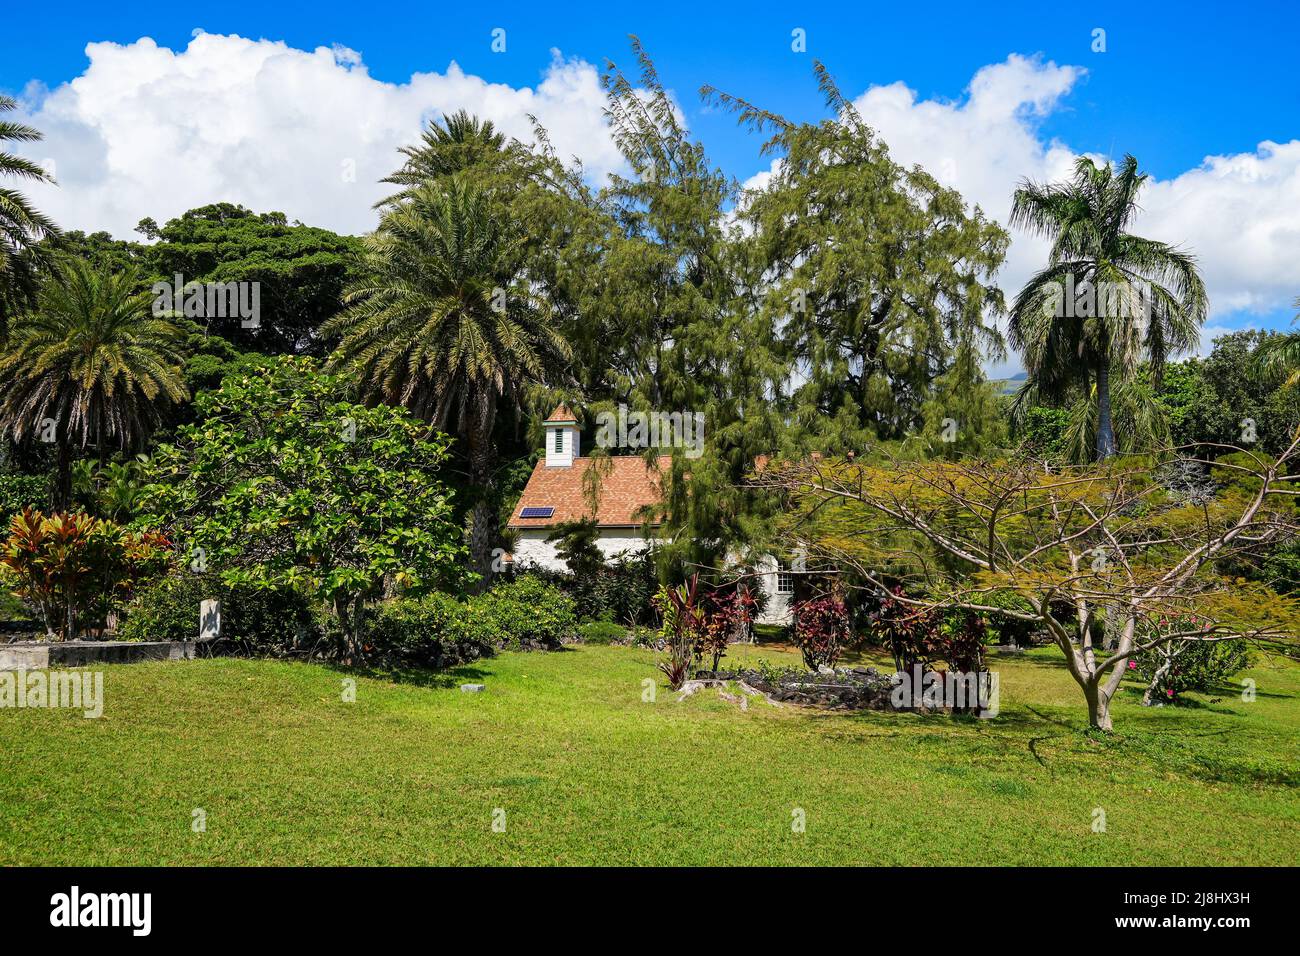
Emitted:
pixel 562 438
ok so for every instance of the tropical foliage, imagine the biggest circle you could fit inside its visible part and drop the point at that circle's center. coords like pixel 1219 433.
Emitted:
pixel 444 325
pixel 1107 301
pixel 92 365
pixel 22 226
pixel 285 482
pixel 76 569
pixel 830 328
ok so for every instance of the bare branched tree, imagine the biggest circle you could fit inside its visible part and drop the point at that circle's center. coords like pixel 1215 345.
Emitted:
pixel 1076 552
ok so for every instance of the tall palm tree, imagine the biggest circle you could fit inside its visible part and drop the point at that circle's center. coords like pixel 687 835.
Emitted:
pixel 443 324
pixel 91 364
pixel 461 142
pixel 21 226
pixel 1144 300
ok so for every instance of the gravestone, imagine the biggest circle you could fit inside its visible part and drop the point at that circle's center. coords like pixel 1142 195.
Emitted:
pixel 209 620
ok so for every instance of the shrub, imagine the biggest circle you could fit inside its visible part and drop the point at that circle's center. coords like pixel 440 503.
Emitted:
pixel 821 629
pixel 682 629
pixel 906 630
pixel 276 623
pixel 18 492
pixel 601 632
pixel 1177 666
pixel 435 630
pixel 621 590
pixel 959 640
pixel 728 616
pixel 922 636
pixel 525 614
pixel 75 569
pixel 625 589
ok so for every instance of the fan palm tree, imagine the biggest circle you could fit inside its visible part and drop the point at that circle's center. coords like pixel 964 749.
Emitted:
pixel 91 364
pixel 1141 300
pixel 21 226
pixel 442 324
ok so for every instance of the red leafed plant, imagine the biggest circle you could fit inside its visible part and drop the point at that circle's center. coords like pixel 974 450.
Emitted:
pixel 728 614
pixel 696 623
pixel 75 569
pixel 906 630
pixel 821 629
pixel 683 628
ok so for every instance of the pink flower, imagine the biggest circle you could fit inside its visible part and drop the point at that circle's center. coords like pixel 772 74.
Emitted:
pixel 1169 692
pixel 1132 665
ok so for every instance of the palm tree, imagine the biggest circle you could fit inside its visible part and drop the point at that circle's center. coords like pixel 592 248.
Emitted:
pixel 1280 354
pixel 462 142
pixel 21 226
pixel 90 365
pixel 442 324
pixel 1108 300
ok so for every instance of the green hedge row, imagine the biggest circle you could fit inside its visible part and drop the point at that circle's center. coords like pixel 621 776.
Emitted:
pixel 437 630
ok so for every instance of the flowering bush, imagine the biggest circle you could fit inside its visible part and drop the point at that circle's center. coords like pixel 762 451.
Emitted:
pixel 1187 664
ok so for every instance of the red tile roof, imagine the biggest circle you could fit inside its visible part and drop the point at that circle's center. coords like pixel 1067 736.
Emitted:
pixel 561 414
pixel 629 486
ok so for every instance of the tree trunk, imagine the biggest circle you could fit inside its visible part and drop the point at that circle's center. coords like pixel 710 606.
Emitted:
pixel 345 629
pixel 61 493
pixel 1105 428
pixel 1161 671
pixel 1098 705
pixel 483 528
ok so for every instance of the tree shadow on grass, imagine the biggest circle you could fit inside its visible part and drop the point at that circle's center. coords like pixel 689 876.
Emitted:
pixel 417 676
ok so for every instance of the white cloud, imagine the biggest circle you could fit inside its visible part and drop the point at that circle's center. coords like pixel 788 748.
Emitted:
pixel 1239 214
pixel 147 131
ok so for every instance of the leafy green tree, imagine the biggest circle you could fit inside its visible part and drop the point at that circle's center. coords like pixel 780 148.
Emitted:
pixel 92 365
pixel 877 282
pixel 667 327
pixel 1231 397
pixel 575 543
pixel 285 481
pixel 105 252
pixel 442 324
pixel 301 271
pixel 22 227
pixel 1139 300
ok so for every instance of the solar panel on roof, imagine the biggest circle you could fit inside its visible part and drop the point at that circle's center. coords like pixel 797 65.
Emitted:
pixel 537 512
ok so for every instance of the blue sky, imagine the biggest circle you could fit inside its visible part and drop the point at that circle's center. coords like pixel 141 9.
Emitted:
pixel 1177 82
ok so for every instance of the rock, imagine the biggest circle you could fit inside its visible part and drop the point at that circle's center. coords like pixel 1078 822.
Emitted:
pixel 472 688
pixel 825 671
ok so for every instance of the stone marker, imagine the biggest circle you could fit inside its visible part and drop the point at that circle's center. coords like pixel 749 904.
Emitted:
pixel 472 688
pixel 209 620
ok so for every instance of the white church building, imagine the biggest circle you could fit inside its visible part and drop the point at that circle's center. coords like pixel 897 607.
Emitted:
pixel 554 495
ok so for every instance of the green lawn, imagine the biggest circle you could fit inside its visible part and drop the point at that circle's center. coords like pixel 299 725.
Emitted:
pixel 587 773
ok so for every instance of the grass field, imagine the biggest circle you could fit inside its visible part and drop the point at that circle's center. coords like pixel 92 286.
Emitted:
pixel 587 773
